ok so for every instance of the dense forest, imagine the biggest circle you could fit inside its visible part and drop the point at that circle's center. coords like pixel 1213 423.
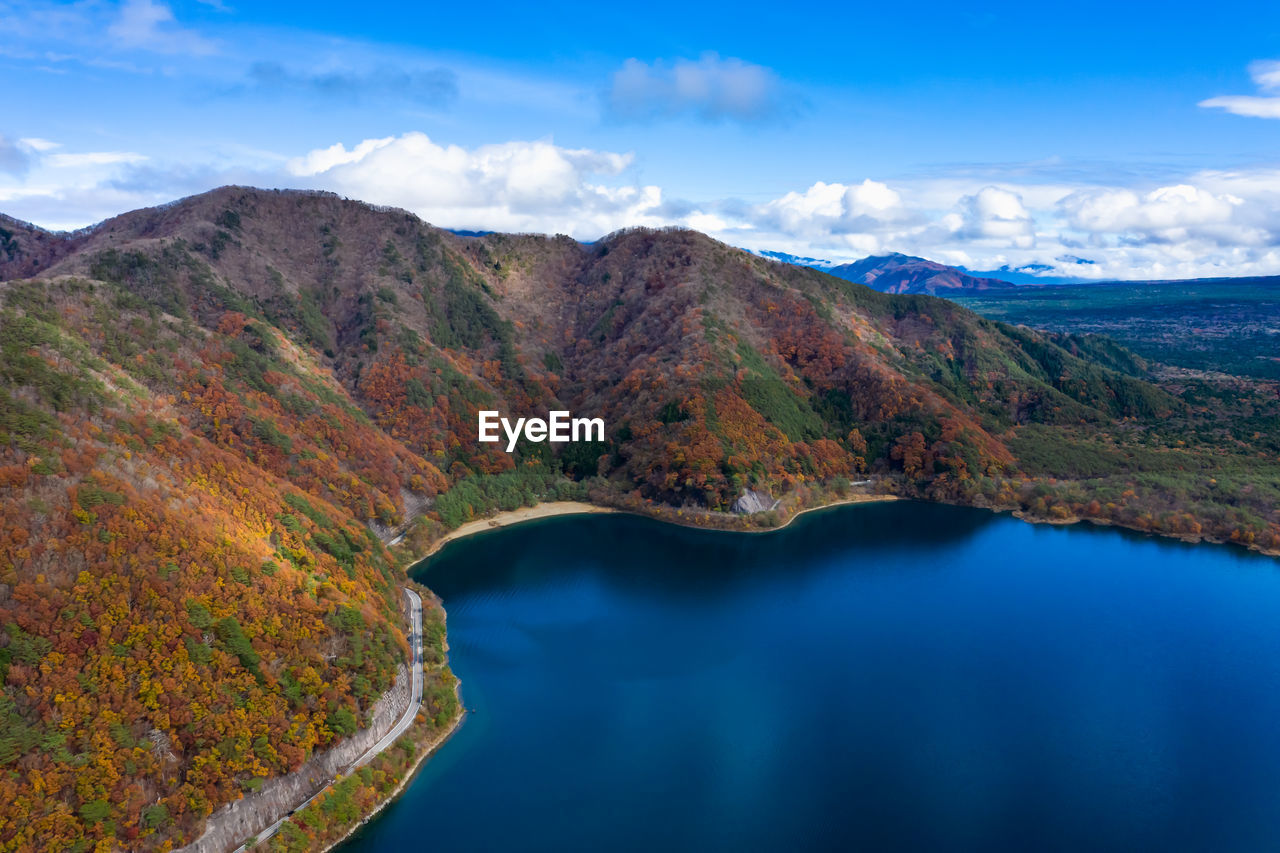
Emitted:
pixel 213 415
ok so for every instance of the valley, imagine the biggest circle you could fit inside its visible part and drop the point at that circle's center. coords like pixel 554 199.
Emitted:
pixel 1221 326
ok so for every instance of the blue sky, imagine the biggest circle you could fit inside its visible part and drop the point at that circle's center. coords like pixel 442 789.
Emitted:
pixel 1100 140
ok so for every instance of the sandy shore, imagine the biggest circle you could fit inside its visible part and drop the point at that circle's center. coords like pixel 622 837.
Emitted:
pixel 505 519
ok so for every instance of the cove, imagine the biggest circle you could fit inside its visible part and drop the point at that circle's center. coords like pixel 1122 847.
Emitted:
pixel 898 676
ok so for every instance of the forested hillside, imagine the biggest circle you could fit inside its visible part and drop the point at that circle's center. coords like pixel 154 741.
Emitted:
pixel 211 412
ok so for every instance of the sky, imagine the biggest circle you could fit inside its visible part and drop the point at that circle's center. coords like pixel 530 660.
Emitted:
pixel 1090 140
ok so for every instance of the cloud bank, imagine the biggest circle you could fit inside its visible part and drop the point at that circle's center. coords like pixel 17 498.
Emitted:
pixel 513 186
pixel 1208 223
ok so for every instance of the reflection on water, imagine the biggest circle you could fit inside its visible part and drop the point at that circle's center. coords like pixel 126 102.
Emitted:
pixel 889 676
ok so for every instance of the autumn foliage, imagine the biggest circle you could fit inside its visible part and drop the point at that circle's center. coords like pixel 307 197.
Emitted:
pixel 213 414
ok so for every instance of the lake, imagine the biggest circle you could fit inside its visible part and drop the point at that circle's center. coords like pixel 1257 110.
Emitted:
pixel 898 676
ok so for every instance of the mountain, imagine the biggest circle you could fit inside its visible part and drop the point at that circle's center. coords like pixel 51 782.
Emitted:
pixel 214 413
pixel 26 249
pixel 896 273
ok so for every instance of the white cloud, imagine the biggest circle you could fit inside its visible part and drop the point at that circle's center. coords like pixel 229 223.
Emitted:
pixel 996 214
pixel 858 213
pixel 1249 106
pixel 708 223
pixel 710 88
pixel 822 201
pixel 872 198
pixel 872 217
pixel 1172 210
pixel 324 159
pixel 1266 73
pixel 151 26
pixel 517 186
pixel 1266 76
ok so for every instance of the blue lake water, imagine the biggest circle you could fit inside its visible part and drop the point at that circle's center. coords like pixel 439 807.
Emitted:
pixel 882 677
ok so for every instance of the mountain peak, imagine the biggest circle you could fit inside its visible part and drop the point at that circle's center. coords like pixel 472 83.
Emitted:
pixel 899 273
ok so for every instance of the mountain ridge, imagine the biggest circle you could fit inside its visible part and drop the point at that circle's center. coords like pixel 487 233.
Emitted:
pixel 896 272
pixel 208 408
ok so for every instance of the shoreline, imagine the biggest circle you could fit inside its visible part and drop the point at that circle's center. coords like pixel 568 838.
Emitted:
pixel 553 509
pixel 549 509
pixel 859 499
pixel 425 751
pixel 352 765
pixel 1188 538
pixel 556 509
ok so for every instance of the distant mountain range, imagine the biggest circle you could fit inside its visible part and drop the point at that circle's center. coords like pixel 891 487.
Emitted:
pixel 899 273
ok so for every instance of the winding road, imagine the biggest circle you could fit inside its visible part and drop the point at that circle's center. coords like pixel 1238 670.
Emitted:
pixel 415 670
pixel 401 726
